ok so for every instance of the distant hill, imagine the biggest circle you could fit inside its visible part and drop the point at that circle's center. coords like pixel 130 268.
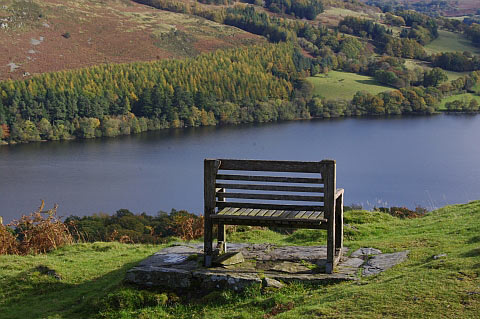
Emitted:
pixel 51 35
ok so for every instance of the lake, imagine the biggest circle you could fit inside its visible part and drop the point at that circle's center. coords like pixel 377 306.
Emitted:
pixel 429 161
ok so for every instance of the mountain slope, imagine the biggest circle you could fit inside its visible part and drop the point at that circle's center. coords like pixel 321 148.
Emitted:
pixel 51 35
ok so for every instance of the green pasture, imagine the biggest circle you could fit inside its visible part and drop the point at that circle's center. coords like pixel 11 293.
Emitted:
pixel 451 42
pixel 343 85
pixel 465 96
pixel 411 64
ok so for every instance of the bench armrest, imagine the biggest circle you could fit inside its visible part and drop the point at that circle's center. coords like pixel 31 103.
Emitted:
pixel 338 192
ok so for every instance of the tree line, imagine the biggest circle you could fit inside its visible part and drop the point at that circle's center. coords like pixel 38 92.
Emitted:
pixel 255 83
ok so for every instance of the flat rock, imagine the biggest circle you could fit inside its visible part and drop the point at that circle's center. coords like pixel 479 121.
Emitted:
pixel 364 252
pixel 291 267
pixel 353 262
pixel 271 283
pixel 382 262
pixel 228 259
pixel 179 267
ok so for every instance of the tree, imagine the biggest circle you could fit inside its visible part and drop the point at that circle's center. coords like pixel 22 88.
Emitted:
pixel 434 77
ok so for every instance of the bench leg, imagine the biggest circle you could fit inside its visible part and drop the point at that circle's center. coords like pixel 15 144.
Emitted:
pixel 222 239
pixel 208 242
pixel 339 226
pixel 330 244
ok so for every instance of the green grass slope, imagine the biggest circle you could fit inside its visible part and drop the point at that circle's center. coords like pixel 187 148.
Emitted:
pixel 412 64
pixel 450 42
pixel 343 85
pixel 465 96
pixel 421 287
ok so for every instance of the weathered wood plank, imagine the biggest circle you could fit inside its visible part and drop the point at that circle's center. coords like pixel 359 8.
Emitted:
pixel 276 219
pixel 274 223
pixel 270 206
pixel 238 211
pixel 270 166
pixel 210 170
pixel 262 212
pixel 269 213
pixel 246 212
pixel 330 188
pixel 300 198
pixel 277 188
pixel 300 214
pixel 289 214
pixel 316 215
pixel 221 230
pixel 307 214
pixel 272 179
pixel 277 213
pixel 339 223
pixel 254 212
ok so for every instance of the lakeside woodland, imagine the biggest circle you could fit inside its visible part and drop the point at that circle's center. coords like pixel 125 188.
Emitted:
pixel 259 83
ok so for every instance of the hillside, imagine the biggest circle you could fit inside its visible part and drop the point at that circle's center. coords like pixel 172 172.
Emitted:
pixel 51 35
pixel 343 85
pixel 440 278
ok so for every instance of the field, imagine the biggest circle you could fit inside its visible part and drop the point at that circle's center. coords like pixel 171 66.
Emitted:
pixel 465 96
pixel 342 85
pixel 451 42
pixel 451 7
pixel 424 286
pixel 411 64
pixel 332 15
pixel 52 35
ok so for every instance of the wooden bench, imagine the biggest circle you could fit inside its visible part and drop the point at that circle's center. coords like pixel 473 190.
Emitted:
pixel 255 184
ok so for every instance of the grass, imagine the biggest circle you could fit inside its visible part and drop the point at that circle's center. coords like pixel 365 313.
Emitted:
pixel 411 64
pixel 421 287
pixel 342 85
pixel 450 42
pixel 464 96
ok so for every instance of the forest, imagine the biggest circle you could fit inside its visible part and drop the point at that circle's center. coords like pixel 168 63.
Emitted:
pixel 258 83
pixel 242 85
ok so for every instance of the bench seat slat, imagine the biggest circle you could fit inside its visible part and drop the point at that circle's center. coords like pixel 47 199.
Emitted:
pixel 277 188
pixel 273 179
pixel 301 198
pixel 300 214
pixel 277 213
pixel 307 214
pixel 286 218
pixel 239 211
pixel 254 212
pixel 282 214
pixel 222 205
pixel 226 211
pixel 262 212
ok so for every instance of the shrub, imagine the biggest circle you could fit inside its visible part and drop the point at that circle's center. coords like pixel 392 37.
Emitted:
pixel 403 212
pixel 40 232
pixel 188 226
pixel 8 242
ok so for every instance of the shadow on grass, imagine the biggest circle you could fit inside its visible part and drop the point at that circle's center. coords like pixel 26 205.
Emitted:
pixel 472 253
pixel 474 240
pixel 368 82
pixel 48 297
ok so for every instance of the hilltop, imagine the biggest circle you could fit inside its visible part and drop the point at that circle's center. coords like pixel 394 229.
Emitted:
pixel 52 35
pixel 440 277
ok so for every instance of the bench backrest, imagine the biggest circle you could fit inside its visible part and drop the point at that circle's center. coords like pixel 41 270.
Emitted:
pixel 262 184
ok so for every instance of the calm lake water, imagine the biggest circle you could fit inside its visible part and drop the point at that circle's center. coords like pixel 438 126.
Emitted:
pixel 408 161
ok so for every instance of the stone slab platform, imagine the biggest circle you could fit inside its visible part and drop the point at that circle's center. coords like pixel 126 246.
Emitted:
pixel 180 267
